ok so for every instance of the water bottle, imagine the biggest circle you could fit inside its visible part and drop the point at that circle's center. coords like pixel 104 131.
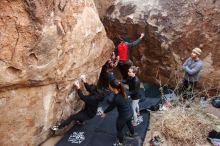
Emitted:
pixel 203 102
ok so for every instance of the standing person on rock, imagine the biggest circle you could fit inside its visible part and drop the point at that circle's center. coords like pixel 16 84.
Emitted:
pixel 192 67
pixel 123 51
pixel 91 104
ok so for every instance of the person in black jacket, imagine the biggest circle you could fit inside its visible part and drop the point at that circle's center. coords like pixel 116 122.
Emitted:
pixel 134 88
pixel 108 77
pixel 125 112
pixel 107 74
pixel 91 104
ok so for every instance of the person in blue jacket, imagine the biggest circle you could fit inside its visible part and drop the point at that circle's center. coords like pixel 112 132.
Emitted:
pixel 192 67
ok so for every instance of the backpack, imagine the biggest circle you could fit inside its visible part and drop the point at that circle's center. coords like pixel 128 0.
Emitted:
pixel 216 102
pixel 122 51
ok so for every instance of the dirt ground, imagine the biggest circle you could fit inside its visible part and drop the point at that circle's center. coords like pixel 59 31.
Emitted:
pixel 210 113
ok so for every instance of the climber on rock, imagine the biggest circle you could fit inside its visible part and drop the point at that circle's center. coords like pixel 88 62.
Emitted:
pixel 91 104
pixel 123 51
pixel 192 67
pixel 107 74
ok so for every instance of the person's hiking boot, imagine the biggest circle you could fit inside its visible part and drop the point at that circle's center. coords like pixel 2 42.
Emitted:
pixel 131 135
pixel 80 123
pixel 55 128
pixel 118 144
pixel 156 141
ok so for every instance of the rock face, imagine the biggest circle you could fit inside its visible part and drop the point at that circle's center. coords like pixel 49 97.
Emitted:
pixel 172 28
pixel 45 45
pixel 102 6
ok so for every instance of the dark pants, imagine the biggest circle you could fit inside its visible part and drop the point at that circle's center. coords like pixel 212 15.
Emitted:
pixel 189 85
pixel 123 67
pixel 188 88
pixel 120 124
pixel 80 116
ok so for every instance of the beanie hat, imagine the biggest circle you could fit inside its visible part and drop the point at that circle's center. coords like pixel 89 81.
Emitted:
pixel 126 38
pixel 198 51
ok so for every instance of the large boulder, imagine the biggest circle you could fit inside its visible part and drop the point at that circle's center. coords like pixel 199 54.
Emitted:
pixel 102 6
pixel 172 28
pixel 45 45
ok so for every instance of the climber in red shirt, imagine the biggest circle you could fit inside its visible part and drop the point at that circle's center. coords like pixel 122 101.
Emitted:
pixel 123 51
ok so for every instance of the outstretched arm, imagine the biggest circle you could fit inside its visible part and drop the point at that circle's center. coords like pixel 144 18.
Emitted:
pixel 135 43
pixel 87 86
pixel 79 91
pixel 110 107
pixel 82 96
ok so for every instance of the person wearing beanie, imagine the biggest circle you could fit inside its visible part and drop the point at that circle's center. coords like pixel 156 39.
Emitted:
pixel 126 39
pixel 192 67
pixel 123 50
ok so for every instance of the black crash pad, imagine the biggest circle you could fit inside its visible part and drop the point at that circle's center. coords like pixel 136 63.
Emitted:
pixel 102 132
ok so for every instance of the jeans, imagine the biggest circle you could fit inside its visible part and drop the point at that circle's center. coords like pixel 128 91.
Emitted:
pixel 135 107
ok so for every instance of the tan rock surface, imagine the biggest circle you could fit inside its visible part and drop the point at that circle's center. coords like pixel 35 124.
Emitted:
pixel 102 6
pixel 44 46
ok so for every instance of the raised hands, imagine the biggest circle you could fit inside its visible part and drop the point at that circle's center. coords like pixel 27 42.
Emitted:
pixel 142 35
pixel 103 115
pixel 76 84
pixel 83 78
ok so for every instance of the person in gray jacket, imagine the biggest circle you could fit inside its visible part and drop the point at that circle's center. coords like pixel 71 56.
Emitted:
pixel 192 67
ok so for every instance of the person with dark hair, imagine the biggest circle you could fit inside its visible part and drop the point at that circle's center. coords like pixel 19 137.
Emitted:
pixel 134 91
pixel 107 75
pixel 125 112
pixel 123 51
pixel 91 104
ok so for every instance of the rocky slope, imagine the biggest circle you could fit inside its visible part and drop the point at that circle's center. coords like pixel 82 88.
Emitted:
pixel 45 45
pixel 173 28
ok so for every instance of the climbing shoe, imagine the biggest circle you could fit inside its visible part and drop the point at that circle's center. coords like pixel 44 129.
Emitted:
pixel 80 123
pixel 118 144
pixel 55 128
pixel 131 135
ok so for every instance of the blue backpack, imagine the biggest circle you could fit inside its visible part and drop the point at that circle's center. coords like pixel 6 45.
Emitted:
pixel 216 102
